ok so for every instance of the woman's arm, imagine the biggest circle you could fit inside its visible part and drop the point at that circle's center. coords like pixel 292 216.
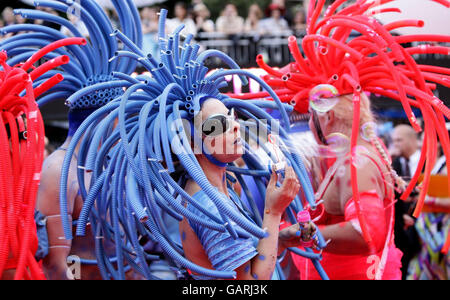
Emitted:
pixel 340 235
pixel 262 266
pixel 55 264
pixel 437 202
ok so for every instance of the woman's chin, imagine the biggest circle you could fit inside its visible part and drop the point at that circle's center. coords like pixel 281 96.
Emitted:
pixel 231 157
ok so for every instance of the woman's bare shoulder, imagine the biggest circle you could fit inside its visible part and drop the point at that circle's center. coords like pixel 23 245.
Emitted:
pixel 53 163
pixel 192 187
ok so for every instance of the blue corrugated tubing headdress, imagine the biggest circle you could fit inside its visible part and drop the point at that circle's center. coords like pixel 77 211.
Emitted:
pixel 89 65
pixel 131 165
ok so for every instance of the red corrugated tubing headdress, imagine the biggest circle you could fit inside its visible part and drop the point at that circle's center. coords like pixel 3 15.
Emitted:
pixel 21 156
pixel 374 61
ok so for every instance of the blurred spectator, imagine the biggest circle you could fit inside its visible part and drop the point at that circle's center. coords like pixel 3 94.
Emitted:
pixel 406 143
pixel 113 17
pixel 19 19
pixel 8 16
pixel 275 23
pixel 79 25
pixel 432 225
pixel 230 22
pixel 285 13
pixel 299 26
pixel 47 23
pixel 194 3
pixel 202 19
pixel 181 17
pixel 254 15
pixel 149 18
pixel 2 24
pixel 406 147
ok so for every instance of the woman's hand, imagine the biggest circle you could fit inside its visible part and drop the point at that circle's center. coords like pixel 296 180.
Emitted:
pixel 289 237
pixel 278 198
pixel 292 237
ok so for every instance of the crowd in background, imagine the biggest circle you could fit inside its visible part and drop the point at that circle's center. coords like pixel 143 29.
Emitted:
pixel 418 239
pixel 272 20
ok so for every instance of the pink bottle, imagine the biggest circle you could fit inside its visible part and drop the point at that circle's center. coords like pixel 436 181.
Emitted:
pixel 304 220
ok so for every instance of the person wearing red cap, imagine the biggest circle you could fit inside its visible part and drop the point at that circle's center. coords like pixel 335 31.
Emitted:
pixel 275 23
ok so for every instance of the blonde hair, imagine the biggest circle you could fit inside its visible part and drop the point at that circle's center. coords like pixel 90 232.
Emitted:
pixel 343 112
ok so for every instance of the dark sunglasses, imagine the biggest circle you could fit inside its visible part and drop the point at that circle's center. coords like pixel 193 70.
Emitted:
pixel 218 124
pixel 319 131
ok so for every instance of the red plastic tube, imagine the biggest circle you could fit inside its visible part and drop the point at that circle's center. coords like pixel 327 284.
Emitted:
pixel 412 119
pixel 265 67
pixel 50 65
pixel 446 245
pixel 385 10
pixel 32 149
pixel 275 83
pixel 300 105
pixel 333 7
pixel 51 82
pixel 315 37
pixel 431 159
pixel 354 174
pixel 315 16
pixel 360 26
pixel 368 28
pixel 5 196
pixel 302 79
pixel 443 2
pixel 402 39
pixel 434 69
pixel 300 61
pixel 379 3
pixel 354 9
pixel 21 159
pixel 390 94
pixel 12 82
pixel 257 95
pixel 376 60
pixel 53 46
pixel 404 23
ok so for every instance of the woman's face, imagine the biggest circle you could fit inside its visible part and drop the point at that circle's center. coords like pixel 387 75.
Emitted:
pixel 224 146
pixel 254 10
pixel 300 17
pixel 323 99
pixel 230 10
pixel 316 125
pixel 180 12
pixel 275 13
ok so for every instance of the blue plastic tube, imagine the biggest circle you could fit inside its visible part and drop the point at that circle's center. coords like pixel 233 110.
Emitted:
pixel 132 164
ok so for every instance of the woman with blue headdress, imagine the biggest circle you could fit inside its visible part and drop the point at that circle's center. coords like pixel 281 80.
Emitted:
pixel 251 259
pixel 88 68
pixel 171 157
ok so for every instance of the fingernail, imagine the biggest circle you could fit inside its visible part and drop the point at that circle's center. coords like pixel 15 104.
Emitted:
pixel 298 233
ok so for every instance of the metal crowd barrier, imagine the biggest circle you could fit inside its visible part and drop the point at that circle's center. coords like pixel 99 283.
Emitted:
pixel 243 48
